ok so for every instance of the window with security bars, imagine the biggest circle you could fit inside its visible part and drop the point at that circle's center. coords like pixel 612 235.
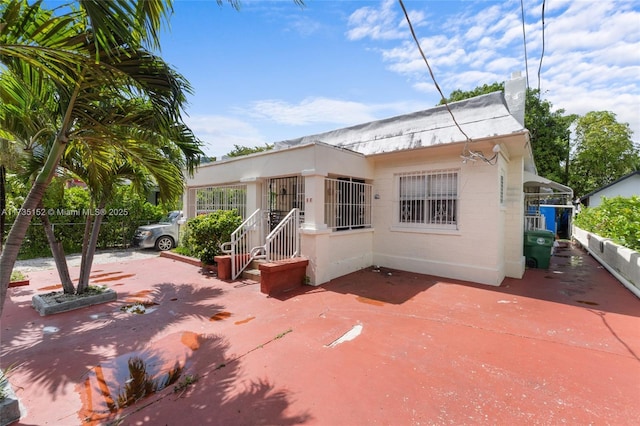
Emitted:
pixel 347 203
pixel 428 198
pixel 229 197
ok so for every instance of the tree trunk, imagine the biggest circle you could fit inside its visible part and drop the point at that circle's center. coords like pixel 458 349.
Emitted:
pixel 21 224
pixel 86 237
pixel 3 202
pixel 88 254
pixel 19 230
pixel 58 256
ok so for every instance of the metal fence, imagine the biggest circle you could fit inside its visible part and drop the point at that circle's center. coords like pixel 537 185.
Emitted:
pixel 113 234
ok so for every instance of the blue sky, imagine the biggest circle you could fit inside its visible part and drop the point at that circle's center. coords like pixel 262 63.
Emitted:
pixel 274 70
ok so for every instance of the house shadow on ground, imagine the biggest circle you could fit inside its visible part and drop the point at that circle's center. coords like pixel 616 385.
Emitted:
pixel 573 278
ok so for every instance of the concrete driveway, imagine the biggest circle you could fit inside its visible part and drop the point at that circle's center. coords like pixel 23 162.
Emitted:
pixel 561 346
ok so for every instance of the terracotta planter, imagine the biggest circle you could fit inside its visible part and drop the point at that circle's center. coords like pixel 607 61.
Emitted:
pixel 224 264
pixel 281 276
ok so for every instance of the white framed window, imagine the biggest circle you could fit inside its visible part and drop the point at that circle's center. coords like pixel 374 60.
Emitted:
pixel 347 203
pixel 227 197
pixel 428 199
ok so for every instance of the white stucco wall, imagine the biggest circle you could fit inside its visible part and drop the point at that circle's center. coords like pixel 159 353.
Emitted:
pixel 334 254
pixel 319 159
pixel 486 246
pixel 473 252
pixel 514 259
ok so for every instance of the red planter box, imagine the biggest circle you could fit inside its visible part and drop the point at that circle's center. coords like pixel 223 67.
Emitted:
pixel 281 276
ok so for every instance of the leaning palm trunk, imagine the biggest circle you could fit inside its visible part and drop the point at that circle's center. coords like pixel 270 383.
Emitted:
pixel 89 251
pixel 34 198
pixel 3 202
pixel 58 256
pixel 19 230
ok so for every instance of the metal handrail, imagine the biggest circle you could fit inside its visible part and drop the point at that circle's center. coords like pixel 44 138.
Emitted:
pixel 284 241
pixel 240 248
pixel 281 243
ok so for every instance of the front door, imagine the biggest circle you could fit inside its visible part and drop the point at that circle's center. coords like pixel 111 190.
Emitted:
pixel 281 196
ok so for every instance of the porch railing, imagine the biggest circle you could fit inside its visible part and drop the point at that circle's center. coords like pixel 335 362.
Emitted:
pixel 284 241
pixel 533 222
pixel 245 243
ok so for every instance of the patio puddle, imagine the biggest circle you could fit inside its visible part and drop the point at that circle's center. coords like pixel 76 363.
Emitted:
pixel 114 278
pixel 140 294
pixel 121 382
pixel 220 316
pixel 51 287
pixel 106 274
pixel 586 302
pixel 244 321
pixel 368 301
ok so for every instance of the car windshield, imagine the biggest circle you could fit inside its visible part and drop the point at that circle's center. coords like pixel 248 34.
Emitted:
pixel 170 218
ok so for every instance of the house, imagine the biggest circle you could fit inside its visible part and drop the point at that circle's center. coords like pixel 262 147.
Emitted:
pixel 418 192
pixel 626 186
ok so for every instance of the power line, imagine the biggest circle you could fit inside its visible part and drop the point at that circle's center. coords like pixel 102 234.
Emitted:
pixel 542 53
pixel 413 33
pixel 524 39
pixel 467 154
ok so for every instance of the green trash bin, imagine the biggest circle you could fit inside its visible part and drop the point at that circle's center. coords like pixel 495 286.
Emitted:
pixel 537 248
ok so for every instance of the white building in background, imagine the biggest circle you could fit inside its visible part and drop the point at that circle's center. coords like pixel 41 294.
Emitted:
pixel 626 186
pixel 414 192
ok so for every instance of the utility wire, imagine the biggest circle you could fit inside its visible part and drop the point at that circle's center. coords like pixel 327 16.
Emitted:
pixel 467 154
pixel 542 53
pixel 413 33
pixel 524 39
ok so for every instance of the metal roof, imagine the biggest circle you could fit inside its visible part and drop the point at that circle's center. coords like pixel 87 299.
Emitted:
pixel 532 180
pixel 480 117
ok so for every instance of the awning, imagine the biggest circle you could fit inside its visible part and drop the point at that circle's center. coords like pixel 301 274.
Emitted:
pixel 535 181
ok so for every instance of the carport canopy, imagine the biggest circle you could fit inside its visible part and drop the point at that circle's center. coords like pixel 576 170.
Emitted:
pixel 546 187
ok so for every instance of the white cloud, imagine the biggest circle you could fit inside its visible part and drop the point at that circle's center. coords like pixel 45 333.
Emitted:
pixel 220 134
pixel 377 24
pixel 313 110
pixel 591 58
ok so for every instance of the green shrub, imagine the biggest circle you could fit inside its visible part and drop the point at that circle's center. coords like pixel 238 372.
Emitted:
pixel 125 212
pixel 205 233
pixel 616 218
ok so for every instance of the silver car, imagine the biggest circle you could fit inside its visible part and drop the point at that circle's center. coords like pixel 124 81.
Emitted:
pixel 162 235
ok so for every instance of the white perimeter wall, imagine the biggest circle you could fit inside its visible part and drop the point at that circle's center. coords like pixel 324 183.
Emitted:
pixel 622 262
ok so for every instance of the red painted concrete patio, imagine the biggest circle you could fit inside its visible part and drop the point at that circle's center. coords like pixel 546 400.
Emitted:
pixel 559 347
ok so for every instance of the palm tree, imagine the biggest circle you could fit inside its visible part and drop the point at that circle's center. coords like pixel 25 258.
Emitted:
pixel 82 52
pixel 142 151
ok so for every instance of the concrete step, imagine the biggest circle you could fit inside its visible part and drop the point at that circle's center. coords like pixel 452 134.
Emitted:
pixel 251 274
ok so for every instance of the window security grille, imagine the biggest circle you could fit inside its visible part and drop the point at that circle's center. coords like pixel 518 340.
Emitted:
pixel 347 204
pixel 228 197
pixel 428 198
